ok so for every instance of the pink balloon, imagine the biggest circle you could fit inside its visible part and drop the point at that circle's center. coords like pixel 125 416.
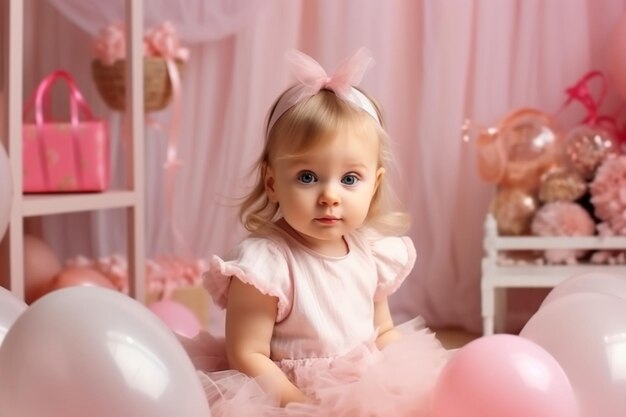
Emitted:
pixel 177 317
pixel 90 351
pixel 596 282
pixel 616 54
pixel 503 375
pixel 6 191
pixel 80 276
pixel 11 308
pixel 586 334
pixel 41 265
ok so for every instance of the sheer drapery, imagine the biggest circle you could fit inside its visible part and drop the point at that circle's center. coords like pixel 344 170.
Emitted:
pixel 196 20
pixel 437 62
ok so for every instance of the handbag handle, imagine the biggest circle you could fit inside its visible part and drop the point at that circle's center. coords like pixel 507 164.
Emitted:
pixel 77 102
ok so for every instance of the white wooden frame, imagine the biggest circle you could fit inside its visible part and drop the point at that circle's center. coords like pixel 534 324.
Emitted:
pixel 131 198
pixel 497 278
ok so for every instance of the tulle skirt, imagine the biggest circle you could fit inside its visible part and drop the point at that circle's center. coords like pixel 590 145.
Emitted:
pixel 396 381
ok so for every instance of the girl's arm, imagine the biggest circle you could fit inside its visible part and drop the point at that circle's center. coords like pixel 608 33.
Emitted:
pixel 250 317
pixel 387 333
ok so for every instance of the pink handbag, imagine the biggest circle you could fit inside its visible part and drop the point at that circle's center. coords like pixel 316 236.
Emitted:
pixel 64 156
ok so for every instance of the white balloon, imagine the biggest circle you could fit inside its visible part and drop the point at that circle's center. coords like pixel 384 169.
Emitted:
pixel 595 282
pixel 91 351
pixel 586 333
pixel 11 308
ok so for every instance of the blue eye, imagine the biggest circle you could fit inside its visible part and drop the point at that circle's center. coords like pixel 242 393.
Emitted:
pixel 350 179
pixel 307 177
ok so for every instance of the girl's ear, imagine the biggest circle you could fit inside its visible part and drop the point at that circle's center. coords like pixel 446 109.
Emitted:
pixel 380 173
pixel 268 182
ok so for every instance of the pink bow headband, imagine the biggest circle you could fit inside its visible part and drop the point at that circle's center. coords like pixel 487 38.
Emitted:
pixel 312 79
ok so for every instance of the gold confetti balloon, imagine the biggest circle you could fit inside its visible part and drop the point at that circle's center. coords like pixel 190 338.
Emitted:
pixel 561 184
pixel 585 147
pixel 513 209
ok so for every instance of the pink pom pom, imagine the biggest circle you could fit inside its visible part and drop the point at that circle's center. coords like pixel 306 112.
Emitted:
pixel 608 194
pixel 562 219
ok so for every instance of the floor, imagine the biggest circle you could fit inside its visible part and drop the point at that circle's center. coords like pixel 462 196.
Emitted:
pixel 454 338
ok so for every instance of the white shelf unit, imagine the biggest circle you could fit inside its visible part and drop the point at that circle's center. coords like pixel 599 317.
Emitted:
pixel 496 278
pixel 131 198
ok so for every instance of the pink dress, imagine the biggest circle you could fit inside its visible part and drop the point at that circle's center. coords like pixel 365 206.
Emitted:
pixel 324 333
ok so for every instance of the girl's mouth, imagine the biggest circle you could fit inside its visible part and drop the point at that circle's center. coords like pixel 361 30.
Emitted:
pixel 327 220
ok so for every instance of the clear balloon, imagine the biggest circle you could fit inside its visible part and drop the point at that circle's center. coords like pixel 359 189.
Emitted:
pixel 491 156
pixel 585 147
pixel 6 191
pixel 586 334
pixel 503 375
pixel 594 282
pixel 177 317
pixel 11 308
pixel 531 139
pixel 90 351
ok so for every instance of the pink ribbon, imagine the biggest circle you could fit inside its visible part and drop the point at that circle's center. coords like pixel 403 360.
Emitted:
pixel 161 41
pixel 580 92
pixel 172 163
pixel 312 78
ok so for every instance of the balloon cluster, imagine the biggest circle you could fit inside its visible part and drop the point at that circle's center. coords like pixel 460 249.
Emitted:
pixel 568 361
pixel 543 171
pixel 582 323
pixel 92 351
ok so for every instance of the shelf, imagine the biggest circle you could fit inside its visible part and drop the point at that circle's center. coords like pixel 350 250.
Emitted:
pixel 545 242
pixel 497 278
pixel 131 197
pixel 44 204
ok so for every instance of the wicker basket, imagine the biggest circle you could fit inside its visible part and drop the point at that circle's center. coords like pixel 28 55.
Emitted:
pixel 111 84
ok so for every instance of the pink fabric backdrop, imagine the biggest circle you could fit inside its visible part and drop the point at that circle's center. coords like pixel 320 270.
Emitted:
pixel 437 62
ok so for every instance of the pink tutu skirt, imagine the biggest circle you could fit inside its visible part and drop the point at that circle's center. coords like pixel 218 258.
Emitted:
pixel 394 382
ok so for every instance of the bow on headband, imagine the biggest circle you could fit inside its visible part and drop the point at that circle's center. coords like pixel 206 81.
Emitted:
pixel 311 79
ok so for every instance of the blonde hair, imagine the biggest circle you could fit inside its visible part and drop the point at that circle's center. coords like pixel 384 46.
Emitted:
pixel 309 124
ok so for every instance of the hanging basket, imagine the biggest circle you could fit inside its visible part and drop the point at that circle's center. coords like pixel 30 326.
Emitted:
pixel 111 83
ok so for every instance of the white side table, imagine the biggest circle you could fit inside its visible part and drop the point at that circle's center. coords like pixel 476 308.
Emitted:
pixel 497 278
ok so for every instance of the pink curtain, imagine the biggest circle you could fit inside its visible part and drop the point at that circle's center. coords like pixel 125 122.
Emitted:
pixel 437 62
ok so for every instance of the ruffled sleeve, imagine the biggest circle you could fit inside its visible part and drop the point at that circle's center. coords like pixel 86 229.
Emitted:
pixel 258 262
pixel 394 258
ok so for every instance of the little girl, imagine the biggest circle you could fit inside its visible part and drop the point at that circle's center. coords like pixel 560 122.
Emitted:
pixel 308 327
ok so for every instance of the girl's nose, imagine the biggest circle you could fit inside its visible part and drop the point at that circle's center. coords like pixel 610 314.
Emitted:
pixel 329 196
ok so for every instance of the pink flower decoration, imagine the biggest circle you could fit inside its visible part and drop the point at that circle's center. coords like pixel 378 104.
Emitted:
pixel 608 195
pixel 161 41
pixel 110 45
pixel 163 275
pixel 562 219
